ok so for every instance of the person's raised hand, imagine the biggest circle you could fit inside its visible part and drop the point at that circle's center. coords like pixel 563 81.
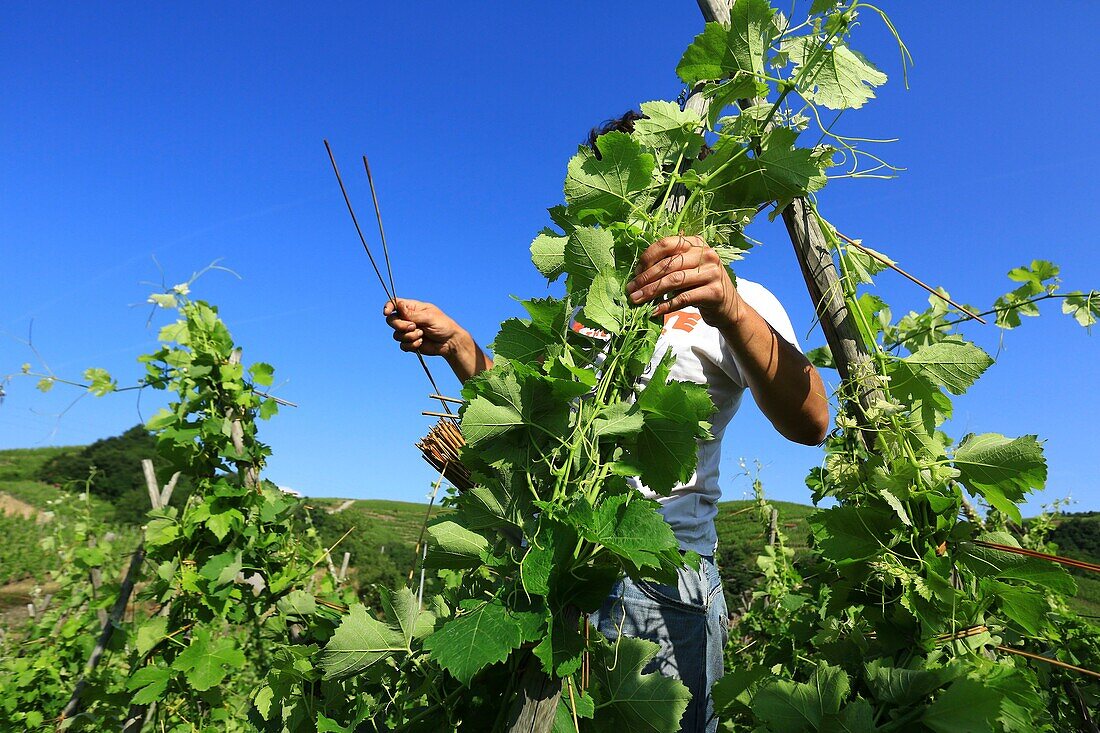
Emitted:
pixel 689 270
pixel 423 327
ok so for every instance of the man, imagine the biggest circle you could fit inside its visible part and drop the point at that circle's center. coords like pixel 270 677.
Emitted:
pixel 728 338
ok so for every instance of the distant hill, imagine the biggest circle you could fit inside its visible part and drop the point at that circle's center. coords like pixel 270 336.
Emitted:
pixel 380 535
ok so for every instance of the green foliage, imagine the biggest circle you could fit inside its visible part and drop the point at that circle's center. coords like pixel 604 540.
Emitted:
pixel 19 553
pixel 895 619
pixel 117 476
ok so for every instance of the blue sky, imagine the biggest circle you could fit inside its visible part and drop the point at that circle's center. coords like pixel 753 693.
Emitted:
pixel 192 132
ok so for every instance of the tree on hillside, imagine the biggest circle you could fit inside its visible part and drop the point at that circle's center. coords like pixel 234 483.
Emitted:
pixel 118 476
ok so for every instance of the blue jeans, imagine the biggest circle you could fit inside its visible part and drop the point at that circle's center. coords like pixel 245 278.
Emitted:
pixel 689 623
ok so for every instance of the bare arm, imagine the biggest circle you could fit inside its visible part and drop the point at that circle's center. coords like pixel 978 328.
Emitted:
pixel 786 387
pixel 423 327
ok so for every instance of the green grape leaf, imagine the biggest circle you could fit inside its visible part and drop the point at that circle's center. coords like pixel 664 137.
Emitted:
pixel 206 661
pixel 836 77
pixel 967 706
pixel 797 706
pixel 529 340
pixel 515 413
pixel 605 305
pixel 403 609
pixel 857 717
pixel 262 374
pixel 454 546
pixel 719 52
pixel 1000 469
pixel 732 691
pixel 149 683
pixel 953 365
pixel 297 602
pixel 621 418
pixel 561 649
pixel 669 131
pixel 821 357
pixel 848 534
pixel 548 254
pixel 585 707
pixel 222 568
pixel 162 527
pixel 916 391
pixel 823 6
pixel 900 686
pixel 604 187
pixel 221 523
pixel 495 410
pixel 484 635
pixel 536 566
pixel 163 300
pixel 268 409
pixel 588 253
pixel 150 633
pixel 674 419
pixel 987 562
pixel 628 700
pixel 328 725
pixel 1026 607
pixel 360 641
pixel 746 123
pixel 628 525
pixel 1084 307
pixel 780 173
pixel 100 382
pixel 489 506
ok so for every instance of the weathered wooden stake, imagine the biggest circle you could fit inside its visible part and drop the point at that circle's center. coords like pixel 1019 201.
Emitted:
pixel 158 499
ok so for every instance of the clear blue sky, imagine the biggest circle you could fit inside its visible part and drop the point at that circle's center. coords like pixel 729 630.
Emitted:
pixel 192 132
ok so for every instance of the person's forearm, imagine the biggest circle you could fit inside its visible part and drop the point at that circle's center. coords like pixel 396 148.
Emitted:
pixel 467 358
pixel 786 387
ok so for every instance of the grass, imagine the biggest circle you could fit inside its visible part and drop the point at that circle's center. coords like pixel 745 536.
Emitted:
pixel 24 463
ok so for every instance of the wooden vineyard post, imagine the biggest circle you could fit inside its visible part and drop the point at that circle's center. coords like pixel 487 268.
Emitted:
pixel 853 360
pixel 139 714
pixel 158 498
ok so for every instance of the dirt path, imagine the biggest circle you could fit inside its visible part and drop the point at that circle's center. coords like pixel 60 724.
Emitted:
pixel 10 506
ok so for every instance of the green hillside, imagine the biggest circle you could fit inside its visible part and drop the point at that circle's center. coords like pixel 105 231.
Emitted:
pixel 380 535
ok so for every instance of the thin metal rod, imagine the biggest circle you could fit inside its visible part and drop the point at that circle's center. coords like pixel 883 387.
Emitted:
pixel 355 221
pixel 390 295
pixel 455 400
pixel 381 231
pixel 276 400
pixel 875 255
pixel 389 270
pixel 439 414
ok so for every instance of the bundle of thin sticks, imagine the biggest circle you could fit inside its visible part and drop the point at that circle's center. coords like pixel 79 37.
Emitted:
pixel 440 448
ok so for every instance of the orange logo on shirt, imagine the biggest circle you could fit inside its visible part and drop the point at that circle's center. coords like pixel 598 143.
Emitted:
pixel 682 320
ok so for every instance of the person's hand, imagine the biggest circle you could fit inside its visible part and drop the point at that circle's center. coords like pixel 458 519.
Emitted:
pixel 690 270
pixel 423 327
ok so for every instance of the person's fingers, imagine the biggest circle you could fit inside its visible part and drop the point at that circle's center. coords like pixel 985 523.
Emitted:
pixel 686 261
pixel 412 346
pixel 401 304
pixel 677 280
pixel 666 246
pixel 407 336
pixel 704 294
pixel 397 323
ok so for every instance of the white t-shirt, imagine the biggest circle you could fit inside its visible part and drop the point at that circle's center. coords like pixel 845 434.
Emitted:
pixel 704 357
